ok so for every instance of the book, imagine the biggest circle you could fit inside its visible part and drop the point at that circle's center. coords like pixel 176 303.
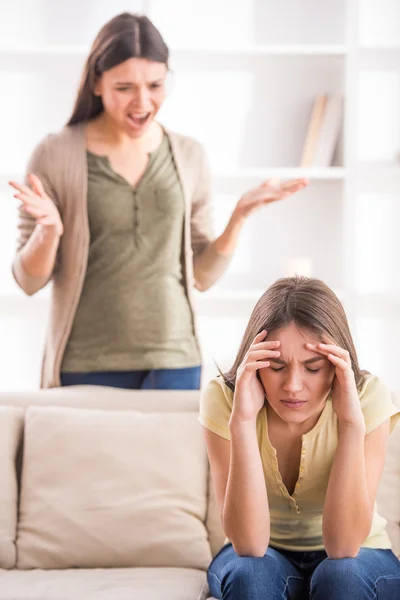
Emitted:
pixel 329 132
pixel 313 131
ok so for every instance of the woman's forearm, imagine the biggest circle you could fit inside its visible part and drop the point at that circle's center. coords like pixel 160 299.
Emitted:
pixel 226 243
pixel 245 513
pixel 212 262
pixel 38 256
pixel 347 511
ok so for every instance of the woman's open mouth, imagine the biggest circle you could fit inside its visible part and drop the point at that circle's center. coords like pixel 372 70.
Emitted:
pixel 137 120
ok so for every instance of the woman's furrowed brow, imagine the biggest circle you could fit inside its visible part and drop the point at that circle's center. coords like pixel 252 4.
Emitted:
pixel 315 359
pixel 309 361
pixel 152 82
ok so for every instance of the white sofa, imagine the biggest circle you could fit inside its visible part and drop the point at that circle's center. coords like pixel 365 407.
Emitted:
pixel 105 494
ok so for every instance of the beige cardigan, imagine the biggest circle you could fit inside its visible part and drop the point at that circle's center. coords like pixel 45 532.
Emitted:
pixel 60 162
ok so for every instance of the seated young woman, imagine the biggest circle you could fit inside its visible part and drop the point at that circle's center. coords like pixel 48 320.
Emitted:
pixel 296 436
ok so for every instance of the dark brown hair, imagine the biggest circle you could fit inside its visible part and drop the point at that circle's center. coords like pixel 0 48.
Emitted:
pixel 125 36
pixel 311 305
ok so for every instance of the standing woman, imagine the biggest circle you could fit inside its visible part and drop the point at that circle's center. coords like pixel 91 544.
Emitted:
pixel 116 211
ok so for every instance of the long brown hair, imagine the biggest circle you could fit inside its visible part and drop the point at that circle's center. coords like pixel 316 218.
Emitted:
pixel 125 36
pixel 311 305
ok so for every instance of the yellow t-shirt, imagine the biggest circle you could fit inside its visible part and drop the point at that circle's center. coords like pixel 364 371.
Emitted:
pixel 296 521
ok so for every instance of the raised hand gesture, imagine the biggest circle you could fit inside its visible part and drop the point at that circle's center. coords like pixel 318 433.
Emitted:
pixel 37 203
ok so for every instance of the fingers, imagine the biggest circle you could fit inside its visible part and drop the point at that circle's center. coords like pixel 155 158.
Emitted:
pixel 290 186
pixel 37 185
pixel 27 199
pixel 24 189
pixel 259 344
pixel 294 184
pixel 277 183
pixel 268 192
pixel 265 346
pixel 258 352
pixel 255 366
pixel 262 354
pixel 332 349
pixel 271 183
pixel 36 189
pixel 338 362
pixel 338 356
pixel 260 336
pixel 33 206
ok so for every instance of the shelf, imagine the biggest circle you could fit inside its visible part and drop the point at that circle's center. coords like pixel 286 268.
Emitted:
pixel 327 173
pixel 43 51
pixel 313 174
pixel 272 50
pixel 380 48
pixel 276 50
pixel 376 169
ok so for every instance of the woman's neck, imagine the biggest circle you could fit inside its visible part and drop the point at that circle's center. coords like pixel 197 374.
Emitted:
pixel 102 131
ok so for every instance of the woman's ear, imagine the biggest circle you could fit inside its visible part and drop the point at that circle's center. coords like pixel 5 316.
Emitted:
pixel 97 87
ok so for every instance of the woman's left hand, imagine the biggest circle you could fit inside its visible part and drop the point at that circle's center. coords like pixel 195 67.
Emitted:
pixel 269 191
pixel 345 399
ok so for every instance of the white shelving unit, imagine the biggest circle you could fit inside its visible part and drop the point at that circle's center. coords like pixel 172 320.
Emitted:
pixel 284 50
pixel 317 174
pixel 244 87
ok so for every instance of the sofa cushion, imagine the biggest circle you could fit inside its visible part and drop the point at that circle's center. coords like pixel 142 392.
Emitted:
pixel 104 584
pixel 11 425
pixel 112 489
pixel 105 398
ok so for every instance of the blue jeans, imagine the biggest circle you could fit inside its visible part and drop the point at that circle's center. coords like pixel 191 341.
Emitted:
pixel 284 575
pixel 159 379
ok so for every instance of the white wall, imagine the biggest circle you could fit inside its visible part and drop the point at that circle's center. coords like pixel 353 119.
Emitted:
pixel 244 86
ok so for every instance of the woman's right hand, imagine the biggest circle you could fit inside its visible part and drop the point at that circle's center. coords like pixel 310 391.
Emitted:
pixel 37 203
pixel 249 396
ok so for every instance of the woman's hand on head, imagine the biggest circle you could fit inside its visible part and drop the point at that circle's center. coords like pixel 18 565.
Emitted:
pixel 269 191
pixel 38 204
pixel 249 396
pixel 345 399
